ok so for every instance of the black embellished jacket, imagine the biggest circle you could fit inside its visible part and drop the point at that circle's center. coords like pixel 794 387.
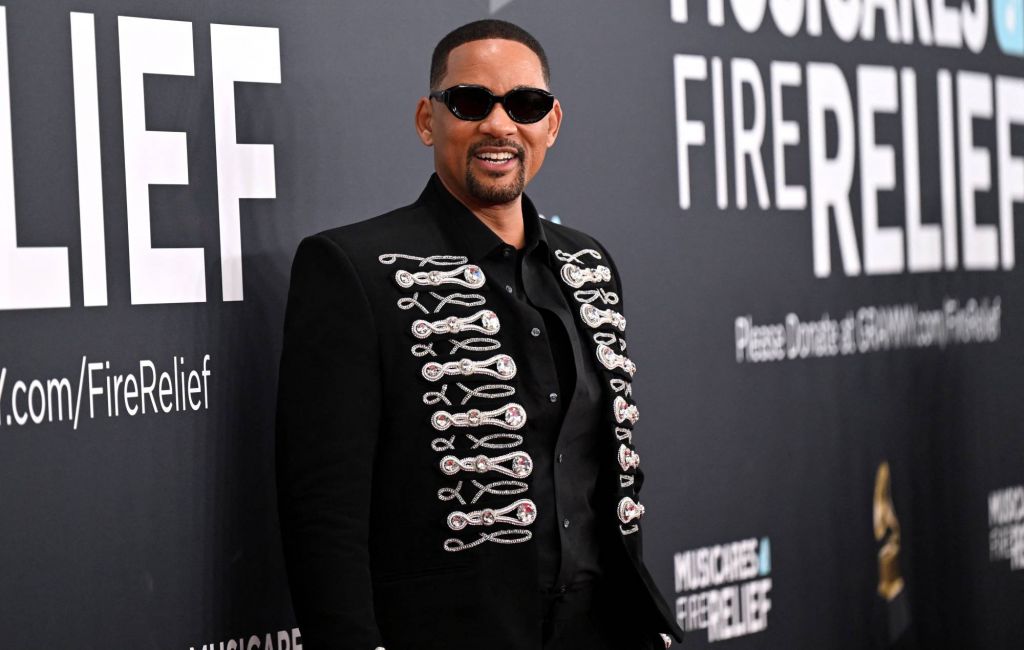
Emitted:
pixel 405 459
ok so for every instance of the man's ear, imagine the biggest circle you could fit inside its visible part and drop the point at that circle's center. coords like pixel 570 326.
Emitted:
pixel 425 121
pixel 554 122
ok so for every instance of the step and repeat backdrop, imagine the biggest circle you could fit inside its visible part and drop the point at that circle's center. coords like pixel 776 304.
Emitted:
pixel 813 204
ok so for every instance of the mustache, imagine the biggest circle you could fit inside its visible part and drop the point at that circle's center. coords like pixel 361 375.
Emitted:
pixel 498 142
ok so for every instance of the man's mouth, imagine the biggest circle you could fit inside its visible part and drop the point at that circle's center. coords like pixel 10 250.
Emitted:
pixel 496 157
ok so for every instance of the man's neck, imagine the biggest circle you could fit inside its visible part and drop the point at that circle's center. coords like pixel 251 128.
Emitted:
pixel 504 219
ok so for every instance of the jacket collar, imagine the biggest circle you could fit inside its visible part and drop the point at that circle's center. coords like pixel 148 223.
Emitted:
pixel 462 226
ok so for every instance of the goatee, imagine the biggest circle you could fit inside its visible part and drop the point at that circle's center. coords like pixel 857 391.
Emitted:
pixel 487 193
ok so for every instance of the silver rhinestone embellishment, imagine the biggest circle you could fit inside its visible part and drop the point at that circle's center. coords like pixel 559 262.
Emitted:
pixel 521 513
pixel 500 366
pixel 624 411
pixel 520 465
pixel 628 459
pixel 511 416
pixel 611 360
pixel 526 512
pixel 488 324
pixel 629 510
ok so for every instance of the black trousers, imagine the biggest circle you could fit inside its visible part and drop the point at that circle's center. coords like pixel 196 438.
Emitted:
pixel 584 618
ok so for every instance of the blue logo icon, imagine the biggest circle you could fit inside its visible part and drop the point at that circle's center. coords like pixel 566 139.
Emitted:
pixel 765 559
pixel 1008 16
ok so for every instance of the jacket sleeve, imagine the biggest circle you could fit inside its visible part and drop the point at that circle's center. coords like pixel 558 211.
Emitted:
pixel 638 473
pixel 328 413
pixel 658 640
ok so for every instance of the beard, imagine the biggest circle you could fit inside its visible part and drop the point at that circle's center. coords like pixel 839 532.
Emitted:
pixel 495 194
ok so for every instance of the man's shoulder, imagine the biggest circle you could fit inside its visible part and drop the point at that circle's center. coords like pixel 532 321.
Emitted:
pixel 407 223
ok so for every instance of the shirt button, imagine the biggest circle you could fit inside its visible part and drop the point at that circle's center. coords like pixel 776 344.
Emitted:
pixel 561 457
pixel 563 589
pixel 507 252
pixel 535 331
pixel 508 287
pixel 553 397
pixel 565 523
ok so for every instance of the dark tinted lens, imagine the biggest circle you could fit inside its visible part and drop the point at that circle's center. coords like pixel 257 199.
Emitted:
pixel 470 103
pixel 526 105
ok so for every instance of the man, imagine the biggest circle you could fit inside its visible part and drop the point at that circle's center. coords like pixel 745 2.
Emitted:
pixel 455 459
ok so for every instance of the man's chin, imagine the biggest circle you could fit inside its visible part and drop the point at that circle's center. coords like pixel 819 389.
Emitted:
pixel 490 190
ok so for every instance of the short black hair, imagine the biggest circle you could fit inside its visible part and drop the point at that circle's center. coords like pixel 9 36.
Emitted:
pixel 477 31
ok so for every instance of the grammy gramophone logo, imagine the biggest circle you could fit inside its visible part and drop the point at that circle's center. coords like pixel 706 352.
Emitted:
pixel 887 531
pixel 891 586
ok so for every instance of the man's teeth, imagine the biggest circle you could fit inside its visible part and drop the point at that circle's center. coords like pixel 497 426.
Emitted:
pixel 496 157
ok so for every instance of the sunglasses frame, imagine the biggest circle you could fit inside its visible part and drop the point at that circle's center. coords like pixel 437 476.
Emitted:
pixel 444 96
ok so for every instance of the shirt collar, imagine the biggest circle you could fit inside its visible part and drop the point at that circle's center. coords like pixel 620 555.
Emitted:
pixel 465 227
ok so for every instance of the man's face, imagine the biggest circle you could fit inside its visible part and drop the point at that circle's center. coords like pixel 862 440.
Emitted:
pixel 488 162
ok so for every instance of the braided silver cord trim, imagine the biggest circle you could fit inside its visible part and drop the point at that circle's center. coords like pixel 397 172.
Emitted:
pixel 507 536
pixel 443 444
pixel 621 433
pixel 408 302
pixel 575 257
pixel 485 442
pixel 433 397
pixel 437 260
pixel 423 349
pixel 475 344
pixel 488 391
pixel 460 299
pixel 609 339
pixel 590 295
pixel 621 386
pixel 504 487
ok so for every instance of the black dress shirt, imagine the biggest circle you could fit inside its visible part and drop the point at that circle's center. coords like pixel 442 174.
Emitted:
pixel 565 475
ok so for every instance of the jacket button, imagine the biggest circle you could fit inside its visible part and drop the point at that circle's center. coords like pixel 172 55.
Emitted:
pixel 565 523
pixel 553 397
pixel 508 287
pixel 563 589
pixel 561 457
pixel 535 331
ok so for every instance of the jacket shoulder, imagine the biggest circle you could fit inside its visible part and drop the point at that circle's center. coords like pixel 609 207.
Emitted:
pixel 572 240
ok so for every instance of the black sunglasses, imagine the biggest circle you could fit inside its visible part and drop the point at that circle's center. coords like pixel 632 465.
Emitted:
pixel 523 105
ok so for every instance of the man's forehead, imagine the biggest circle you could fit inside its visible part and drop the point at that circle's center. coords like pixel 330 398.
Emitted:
pixel 494 61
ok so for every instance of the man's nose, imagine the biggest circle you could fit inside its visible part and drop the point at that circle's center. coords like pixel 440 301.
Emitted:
pixel 497 122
